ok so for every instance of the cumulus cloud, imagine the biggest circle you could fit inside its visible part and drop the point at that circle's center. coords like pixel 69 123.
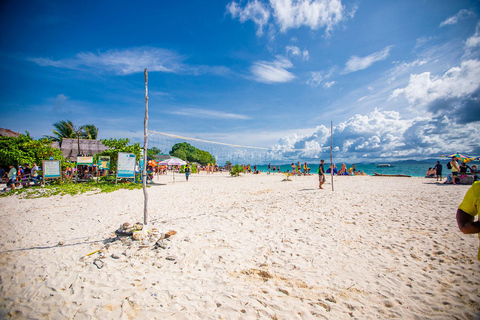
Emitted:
pixel 457 83
pixel 288 14
pixel 462 14
pixel 384 135
pixel 359 63
pixel 313 14
pixel 128 61
pixel 254 10
pixel 272 71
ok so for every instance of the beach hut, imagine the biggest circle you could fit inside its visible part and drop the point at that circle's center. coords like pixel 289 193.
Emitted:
pixel 69 148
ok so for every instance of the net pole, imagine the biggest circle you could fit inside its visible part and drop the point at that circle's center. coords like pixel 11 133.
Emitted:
pixel 331 152
pixel 144 182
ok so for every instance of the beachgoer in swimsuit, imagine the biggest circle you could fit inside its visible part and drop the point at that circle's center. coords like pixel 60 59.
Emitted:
pixel 455 169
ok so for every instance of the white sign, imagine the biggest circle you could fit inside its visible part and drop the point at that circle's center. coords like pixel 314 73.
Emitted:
pixel 51 169
pixel 126 165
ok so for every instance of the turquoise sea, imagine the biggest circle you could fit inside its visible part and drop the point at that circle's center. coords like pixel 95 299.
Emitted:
pixel 410 167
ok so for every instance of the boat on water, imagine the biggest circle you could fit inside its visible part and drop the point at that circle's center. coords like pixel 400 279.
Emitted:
pixel 390 175
pixel 385 165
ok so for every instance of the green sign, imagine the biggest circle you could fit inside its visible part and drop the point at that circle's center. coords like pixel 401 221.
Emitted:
pixel 104 162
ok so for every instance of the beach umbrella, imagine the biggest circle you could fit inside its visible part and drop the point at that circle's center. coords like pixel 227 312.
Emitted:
pixel 173 162
pixel 461 157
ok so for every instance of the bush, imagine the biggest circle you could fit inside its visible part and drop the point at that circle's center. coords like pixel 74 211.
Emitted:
pixel 236 170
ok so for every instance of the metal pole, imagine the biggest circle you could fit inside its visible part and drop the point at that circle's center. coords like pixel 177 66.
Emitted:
pixel 145 194
pixel 331 152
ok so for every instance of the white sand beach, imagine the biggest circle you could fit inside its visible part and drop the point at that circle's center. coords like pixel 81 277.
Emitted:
pixel 251 247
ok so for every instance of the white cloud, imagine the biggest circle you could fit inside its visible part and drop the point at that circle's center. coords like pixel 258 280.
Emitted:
pixel 128 61
pixel 328 85
pixel 275 71
pixel 208 114
pixel 313 14
pixel 359 63
pixel 317 78
pixel 462 14
pixel 383 135
pixel 457 82
pixel 362 98
pixel 292 51
pixel 255 11
pixel 288 14
pixel 474 41
pixel 306 55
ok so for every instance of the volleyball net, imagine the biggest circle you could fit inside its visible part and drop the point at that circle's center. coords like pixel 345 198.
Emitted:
pixel 237 153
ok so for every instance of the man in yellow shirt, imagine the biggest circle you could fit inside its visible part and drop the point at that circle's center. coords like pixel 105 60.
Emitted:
pixel 468 209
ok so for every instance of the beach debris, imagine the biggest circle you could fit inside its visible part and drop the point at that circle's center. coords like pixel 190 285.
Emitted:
pixel 89 254
pixel 115 256
pixel 283 291
pixel 98 263
pixel 170 258
pixel 61 243
pixel 170 233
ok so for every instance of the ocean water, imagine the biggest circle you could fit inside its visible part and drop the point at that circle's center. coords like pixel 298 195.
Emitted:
pixel 410 167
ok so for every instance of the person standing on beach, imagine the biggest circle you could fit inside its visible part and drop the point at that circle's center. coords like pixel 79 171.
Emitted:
pixel 187 171
pixel 468 209
pixel 438 171
pixel 12 177
pixel 455 169
pixel 321 174
pixel 354 169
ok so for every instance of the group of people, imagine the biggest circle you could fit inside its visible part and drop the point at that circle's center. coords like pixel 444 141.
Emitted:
pixel 21 176
pixel 458 171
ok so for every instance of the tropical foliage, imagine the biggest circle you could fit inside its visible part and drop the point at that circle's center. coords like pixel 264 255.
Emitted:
pixel 189 153
pixel 119 145
pixel 66 129
pixel 70 188
pixel 23 149
pixel 153 152
pixel 236 170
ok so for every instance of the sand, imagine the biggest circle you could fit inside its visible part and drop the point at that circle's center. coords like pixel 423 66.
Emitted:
pixel 251 247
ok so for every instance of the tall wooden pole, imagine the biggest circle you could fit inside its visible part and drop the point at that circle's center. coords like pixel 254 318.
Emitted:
pixel 144 174
pixel 331 152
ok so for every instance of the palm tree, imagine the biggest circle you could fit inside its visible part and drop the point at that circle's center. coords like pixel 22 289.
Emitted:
pixel 63 129
pixel 66 129
pixel 90 131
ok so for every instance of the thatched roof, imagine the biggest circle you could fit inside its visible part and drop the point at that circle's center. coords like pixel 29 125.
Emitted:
pixel 162 157
pixel 8 133
pixel 69 148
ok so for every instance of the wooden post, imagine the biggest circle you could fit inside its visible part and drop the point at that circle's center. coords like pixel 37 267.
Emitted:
pixel 145 194
pixel 331 152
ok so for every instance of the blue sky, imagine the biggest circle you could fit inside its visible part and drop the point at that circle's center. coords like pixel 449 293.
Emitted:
pixel 399 79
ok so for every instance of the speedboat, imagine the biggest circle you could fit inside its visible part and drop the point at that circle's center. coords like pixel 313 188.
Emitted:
pixel 384 166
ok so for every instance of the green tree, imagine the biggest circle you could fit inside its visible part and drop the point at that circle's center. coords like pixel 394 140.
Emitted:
pixel 153 152
pixel 187 152
pixel 23 149
pixel 119 145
